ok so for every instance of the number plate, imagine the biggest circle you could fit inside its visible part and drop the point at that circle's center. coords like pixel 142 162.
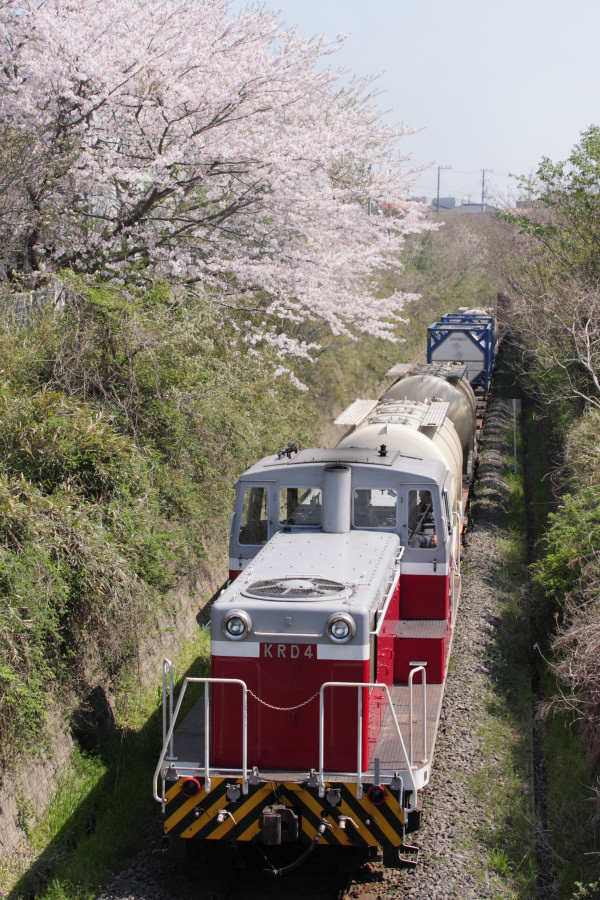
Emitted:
pixel 288 651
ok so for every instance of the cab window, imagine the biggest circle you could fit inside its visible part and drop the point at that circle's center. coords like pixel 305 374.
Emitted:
pixel 374 508
pixel 299 506
pixel 255 516
pixel 447 513
pixel 421 522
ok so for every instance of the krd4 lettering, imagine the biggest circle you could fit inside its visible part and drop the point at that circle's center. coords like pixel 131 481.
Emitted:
pixel 287 651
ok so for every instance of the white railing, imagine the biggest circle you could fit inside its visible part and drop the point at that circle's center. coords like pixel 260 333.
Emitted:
pixel 411 676
pixel 457 532
pixel 170 717
pixel 381 613
pixel 167 699
pixel 359 743
pixel 167 747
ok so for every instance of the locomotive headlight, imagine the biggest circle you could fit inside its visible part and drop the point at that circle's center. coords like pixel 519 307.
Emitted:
pixel 340 628
pixel 237 625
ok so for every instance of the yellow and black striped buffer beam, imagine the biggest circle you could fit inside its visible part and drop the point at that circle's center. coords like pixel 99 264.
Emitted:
pixel 352 821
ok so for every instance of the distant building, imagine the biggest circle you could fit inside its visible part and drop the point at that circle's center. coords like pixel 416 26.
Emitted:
pixel 476 208
pixel 444 202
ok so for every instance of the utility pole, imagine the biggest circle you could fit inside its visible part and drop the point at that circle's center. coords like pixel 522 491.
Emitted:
pixel 483 171
pixel 437 202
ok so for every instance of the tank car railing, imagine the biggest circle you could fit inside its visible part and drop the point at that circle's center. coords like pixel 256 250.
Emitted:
pixel 167 747
pixel 359 742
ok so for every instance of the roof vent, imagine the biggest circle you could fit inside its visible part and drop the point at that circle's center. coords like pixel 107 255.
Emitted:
pixel 303 588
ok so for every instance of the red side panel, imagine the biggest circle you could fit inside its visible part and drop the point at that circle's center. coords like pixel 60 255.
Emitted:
pixel 422 643
pixel 425 597
pixel 286 737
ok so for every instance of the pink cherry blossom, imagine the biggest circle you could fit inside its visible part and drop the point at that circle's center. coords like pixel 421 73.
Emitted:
pixel 171 139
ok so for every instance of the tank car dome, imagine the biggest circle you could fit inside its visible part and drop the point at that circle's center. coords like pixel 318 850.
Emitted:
pixel 458 393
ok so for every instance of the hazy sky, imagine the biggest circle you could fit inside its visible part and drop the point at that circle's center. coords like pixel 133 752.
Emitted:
pixel 486 84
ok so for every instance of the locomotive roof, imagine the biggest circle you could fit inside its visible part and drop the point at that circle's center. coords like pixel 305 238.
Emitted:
pixel 394 460
pixel 351 570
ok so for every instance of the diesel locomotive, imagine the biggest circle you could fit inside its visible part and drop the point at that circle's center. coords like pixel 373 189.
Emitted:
pixel 330 644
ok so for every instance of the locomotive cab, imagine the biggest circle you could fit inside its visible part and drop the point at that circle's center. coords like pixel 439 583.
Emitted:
pixel 386 495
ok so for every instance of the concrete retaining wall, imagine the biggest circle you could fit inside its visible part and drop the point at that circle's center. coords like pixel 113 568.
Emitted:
pixel 26 792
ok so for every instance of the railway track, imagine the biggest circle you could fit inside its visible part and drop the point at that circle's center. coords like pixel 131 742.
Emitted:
pixel 220 873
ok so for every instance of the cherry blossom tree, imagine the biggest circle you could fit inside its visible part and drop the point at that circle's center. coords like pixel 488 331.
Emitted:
pixel 170 139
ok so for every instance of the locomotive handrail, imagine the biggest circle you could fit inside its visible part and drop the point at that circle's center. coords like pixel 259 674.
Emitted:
pixel 167 742
pixel 458 533
pixel 411 676
pixel 381 613
pixel 360 684
pixel 167 667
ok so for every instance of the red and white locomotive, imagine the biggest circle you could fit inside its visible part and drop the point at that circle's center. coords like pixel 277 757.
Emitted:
pixel 330 645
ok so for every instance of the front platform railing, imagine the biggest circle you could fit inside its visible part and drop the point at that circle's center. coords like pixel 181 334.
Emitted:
pixel 170 717
pixel 167 752
pixel 358 776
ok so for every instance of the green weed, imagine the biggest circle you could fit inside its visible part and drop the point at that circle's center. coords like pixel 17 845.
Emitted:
pixel 499 862
pixel 103 805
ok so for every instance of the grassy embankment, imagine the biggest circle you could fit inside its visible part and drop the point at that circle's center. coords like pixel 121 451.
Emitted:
pixel 567 802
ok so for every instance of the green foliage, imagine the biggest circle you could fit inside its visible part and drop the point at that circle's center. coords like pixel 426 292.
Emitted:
pixel 564 575
pixel 570 192
pixel 53 442
pixel 123 422
pixel 574 531
pixel 500 862
pixel 554 273
pixel 590 890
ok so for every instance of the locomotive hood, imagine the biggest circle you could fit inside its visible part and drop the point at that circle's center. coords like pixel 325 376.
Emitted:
pixel 312 577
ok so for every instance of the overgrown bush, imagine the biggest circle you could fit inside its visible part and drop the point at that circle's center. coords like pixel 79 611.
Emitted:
pixel 123 422
pixel 572 536
pixel 568 570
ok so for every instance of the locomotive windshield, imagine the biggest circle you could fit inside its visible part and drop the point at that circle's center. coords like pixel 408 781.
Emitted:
pixel 299 506
pixel 374 508
pixel 255 516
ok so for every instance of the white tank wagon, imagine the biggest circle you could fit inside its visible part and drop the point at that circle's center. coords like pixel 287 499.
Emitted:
pixel 445 383
pixel 417 429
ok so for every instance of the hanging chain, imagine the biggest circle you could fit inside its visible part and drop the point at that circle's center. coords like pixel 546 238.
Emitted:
pixel 283 708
